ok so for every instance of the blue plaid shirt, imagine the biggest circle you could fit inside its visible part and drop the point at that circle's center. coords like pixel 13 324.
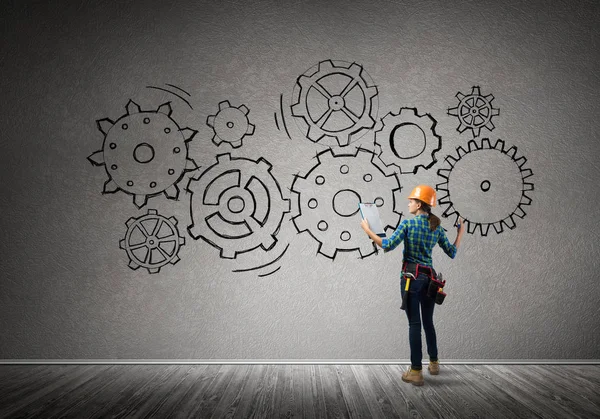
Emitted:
pixel 418 240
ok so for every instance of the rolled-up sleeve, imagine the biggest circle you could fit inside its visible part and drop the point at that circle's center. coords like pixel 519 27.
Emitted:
pixel 446 246
pixel 395 239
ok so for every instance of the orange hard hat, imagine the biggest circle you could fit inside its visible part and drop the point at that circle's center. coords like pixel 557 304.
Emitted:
pixel 424 193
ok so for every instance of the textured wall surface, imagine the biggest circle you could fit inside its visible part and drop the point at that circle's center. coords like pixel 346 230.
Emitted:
pixel 258 254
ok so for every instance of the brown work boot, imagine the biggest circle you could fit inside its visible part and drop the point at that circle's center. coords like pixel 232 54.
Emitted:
pixel 413 376
pixel 434 367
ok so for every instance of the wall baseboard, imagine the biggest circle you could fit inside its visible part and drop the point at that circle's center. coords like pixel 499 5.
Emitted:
pixel 296 361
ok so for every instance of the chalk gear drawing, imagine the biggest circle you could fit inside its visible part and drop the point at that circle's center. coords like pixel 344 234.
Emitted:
pixel 230 124
pixel 236 205
pixel 474 111
pixel 152 241
pixel 336 101
pixel 145 153
pixel 407 141
pixel 486 185
pixel 328 197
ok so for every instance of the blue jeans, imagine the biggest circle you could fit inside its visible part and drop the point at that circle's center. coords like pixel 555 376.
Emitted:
pixel 417 298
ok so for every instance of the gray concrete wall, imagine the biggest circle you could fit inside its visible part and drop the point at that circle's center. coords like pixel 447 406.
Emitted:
pixel 262 252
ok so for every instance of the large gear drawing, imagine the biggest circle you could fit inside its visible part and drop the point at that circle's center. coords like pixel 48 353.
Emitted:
pixel 152 241
pixel 328 197
pixel 482 182
pixel 336 101
pixel 408 140
pixel 230 124
pixel 474 111
pixel 236 205
pixel 145 153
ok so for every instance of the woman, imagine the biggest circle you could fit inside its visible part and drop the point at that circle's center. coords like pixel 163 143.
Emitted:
pixel 419 234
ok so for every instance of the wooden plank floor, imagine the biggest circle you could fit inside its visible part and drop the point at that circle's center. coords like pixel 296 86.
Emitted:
pixel 309 391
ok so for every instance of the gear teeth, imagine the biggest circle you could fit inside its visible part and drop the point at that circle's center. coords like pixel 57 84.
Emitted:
pixel 460 152
pixel 369 93
pixel 485 144
pixel 188 133
pixel 190 165
pixel 408 112
pixel 301 223
pixel 484 228
pixel 264 165
pixel 472 146
pixel 525 173
pixel 250 129
pixel 326 65
pixel 512 152
pixel 136 259
pixel 110 186
pixel 519 212
pixel 366 249
pixel 140 200
pixel 195 231
pixel 451 160
pixel 97 158
pixel 216 140
pixel 236 144
pixel 297 110
pixel 223 158
pixel 210 121
pixel 355 70
pixel 227 253
pixel 172 192
pixel 327 251
pixel 509 222
pixel 132 107
pixel 165 108
pixel 244 109
pixel 104 125
pixel 359 122
pixel 224 104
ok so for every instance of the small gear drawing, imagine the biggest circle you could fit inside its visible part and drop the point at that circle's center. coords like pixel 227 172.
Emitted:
pixel 408 140
pixel 485 182
pixel 152 241
pixel 230 124
pixel 328 197
pixel 236 205
pixel 145 153
pixel 474 111
pixel 336 101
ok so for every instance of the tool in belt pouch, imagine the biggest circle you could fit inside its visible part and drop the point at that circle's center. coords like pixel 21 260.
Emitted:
pixel 436 282
pixel 435 289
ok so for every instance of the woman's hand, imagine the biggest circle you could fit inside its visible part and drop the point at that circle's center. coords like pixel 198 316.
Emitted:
pixel 461 226
pixel 365 225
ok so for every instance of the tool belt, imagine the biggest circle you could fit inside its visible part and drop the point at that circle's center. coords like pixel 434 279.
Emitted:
pixel 435 283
